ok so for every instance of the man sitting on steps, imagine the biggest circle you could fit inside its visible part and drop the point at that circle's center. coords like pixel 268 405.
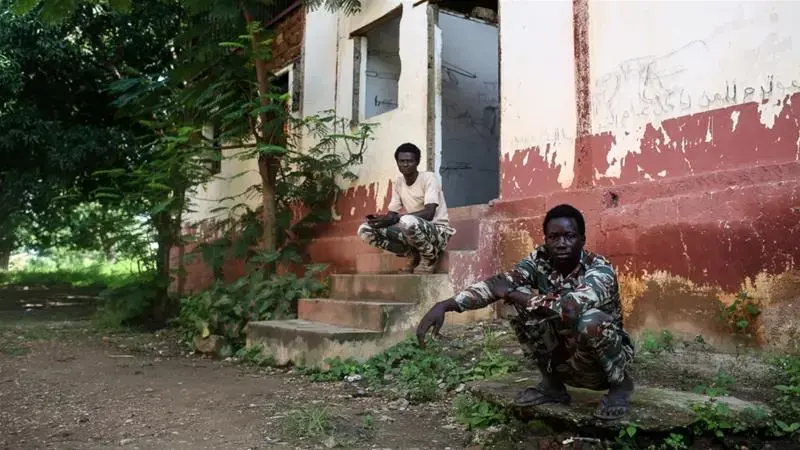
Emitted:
pixel 423 232
pixel 571 328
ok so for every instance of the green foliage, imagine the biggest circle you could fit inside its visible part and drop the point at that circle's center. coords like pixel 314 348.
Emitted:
pixel 129 303
pixel 256 355
pixel 476 413
pixel 311 422
pixel 674 441
pixel 656 344
pixel 419 375
pixel 627 436
pixel 225 310
pixel 67 268
pixel 719 386
pixel 59 125
pixel 787 403
pixel 416 374
pixel 739 317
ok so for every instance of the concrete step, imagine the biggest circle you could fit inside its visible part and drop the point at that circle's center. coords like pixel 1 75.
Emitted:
pixel 304 342
pixel 357 314
pixel 389 263
pixel 397 288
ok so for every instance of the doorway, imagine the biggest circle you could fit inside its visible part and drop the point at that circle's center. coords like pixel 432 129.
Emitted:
pixel 469 119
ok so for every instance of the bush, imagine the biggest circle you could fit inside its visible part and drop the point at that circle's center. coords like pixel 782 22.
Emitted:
pixel 128 302
pixel 225 309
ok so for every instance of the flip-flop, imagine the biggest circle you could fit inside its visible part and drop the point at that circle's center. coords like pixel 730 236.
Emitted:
pixel 612 407
pixel 413 263
pixel 539 395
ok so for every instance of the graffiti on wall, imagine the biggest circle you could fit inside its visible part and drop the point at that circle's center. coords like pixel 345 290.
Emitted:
pixel 648 89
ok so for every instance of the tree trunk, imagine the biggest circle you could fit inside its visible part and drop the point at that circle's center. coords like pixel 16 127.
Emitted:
pixel 164 239
pixel 268 166
pixel 5 259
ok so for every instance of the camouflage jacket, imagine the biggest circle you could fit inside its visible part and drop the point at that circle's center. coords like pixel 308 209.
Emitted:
pixel 593 284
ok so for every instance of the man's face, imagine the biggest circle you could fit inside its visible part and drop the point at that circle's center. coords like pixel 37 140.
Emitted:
pixel 563 241
pixel 407 163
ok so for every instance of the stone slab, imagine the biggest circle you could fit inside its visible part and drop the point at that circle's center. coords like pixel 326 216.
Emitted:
pixel 398 288
pixel 389 263
pixel 360 314
pixel 652 409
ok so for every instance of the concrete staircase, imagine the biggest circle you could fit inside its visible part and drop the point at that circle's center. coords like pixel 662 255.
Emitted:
pixel 366 313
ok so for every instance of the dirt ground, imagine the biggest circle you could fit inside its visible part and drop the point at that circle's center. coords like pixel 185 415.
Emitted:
pixel 63 386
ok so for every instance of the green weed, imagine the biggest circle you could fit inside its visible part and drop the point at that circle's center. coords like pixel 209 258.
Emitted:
pixel 476 413
pixel 653 343
pixel 311 422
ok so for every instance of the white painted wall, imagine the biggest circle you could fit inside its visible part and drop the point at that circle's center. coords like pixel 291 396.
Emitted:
pixel 227 183
pixel 470 122
pixel 652 61
pixel 537 80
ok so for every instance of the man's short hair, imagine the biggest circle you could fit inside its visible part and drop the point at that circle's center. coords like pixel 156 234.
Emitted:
pixel 408 148
pixel 566 212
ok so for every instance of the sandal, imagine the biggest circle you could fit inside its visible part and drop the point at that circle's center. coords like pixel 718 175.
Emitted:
pixel 427 267
pixel 541 395
pixel 413 262
pixel 612 407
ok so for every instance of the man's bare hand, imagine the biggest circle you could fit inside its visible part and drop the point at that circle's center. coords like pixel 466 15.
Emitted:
pixel 434 318
pixel 380 221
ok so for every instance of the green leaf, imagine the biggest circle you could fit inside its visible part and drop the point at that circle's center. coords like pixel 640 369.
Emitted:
pixel 121 5
pixel 22 7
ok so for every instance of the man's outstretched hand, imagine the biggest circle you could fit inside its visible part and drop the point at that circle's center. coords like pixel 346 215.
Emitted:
pixel 434 318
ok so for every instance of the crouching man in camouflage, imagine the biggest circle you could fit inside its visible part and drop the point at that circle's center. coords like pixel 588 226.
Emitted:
pixel 423 232
pixel 571 328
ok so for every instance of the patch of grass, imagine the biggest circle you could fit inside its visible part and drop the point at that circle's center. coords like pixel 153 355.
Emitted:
pixel 311 422
pixel 657 343
pixel 129 303
pixel 14 350
pixel 476 413
pixel 71 269
pixel 720 385
pixel 787 403
pixel 256 355
pixel 419 375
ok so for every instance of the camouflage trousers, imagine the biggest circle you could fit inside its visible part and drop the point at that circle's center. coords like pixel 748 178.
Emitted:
pixel 593 355
pixel 411 234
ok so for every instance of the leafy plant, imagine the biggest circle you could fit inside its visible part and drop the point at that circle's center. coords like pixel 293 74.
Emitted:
pixel 129 303
pixel 256 355
pixel 788 400
pixel 476 413
pixel 225 309
pixel 719 386
pixel 740 316
pixel 713 417
pixel 675 441
pixel 653 343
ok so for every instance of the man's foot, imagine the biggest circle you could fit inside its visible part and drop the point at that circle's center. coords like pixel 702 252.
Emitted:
pixel 616 402
pixel 427 267
pixel 413 262
pixel 542 394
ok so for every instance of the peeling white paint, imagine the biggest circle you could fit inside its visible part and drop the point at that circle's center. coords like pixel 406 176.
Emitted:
pixel 734 120
pixel 769 111
pixel 537 102
pixel 652 61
